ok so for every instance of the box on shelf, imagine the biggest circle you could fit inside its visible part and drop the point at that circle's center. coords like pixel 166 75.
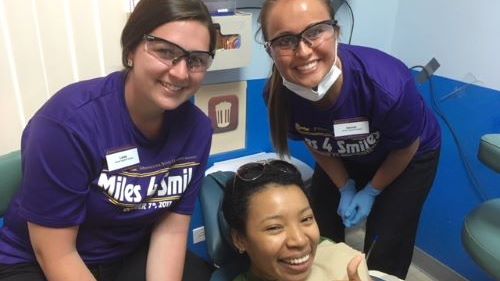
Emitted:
pixel 234 44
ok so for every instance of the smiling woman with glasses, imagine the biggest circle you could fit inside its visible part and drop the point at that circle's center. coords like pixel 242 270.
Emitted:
pixel 375 141
pixel 101 156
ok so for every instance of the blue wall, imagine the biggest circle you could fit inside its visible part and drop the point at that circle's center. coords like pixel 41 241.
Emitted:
pixel 472 112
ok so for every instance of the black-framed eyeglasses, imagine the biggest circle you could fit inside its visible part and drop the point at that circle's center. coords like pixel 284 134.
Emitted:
pixel 313 36
pixel 254 170
pixel 170 53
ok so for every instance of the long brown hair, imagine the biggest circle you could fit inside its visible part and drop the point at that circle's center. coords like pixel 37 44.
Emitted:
pixel 278 103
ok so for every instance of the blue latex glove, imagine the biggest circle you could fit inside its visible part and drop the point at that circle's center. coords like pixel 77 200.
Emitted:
pixel 347 192
pixel 360 206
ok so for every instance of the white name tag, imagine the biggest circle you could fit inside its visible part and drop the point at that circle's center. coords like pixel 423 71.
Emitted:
pixel 122 159
pixel 351 128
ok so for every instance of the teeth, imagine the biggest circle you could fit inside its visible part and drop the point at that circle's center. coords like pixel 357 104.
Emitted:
pixel 307 66
pixel 298 260
pixel 170 86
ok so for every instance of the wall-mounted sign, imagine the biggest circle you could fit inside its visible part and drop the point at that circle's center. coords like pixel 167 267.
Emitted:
pixel 225 105
pixel 223 111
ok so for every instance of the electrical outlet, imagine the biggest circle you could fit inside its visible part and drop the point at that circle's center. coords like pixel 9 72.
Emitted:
pixel 428 70
pixel 198 234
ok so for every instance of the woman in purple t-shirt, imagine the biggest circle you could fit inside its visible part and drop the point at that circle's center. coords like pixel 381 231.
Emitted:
pixel 112 166
pixel 375 142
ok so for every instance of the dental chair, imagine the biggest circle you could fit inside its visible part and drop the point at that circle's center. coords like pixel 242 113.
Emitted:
pixel 481 232
pixel 223 255
pixel 10 178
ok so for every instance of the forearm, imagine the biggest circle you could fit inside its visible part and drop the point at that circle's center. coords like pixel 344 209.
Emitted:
pixel 166 262
pixel 55 252
pixel 395 163
pixel 65 268
pixel 167 249
pixel 333 167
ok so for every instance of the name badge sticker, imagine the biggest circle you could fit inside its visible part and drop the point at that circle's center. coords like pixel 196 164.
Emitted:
pixel 121 159
pixel 351 128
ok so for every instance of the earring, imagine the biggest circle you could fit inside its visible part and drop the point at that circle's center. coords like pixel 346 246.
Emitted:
pixel 130 63
pixel 241 251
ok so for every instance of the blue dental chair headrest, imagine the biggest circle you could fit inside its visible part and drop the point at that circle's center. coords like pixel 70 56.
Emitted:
pixel 217 232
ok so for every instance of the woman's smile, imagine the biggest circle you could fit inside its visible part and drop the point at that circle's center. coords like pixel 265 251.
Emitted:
pixel 308 67
pixel 297 265
pixel 171 88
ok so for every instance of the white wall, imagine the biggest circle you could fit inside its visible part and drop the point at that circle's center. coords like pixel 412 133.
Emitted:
pixel 374 23
pixel 47 44
pixel 464 36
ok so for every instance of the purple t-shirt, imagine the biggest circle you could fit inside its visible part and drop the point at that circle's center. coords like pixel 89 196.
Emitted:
pixel 67 181
pixel 378 110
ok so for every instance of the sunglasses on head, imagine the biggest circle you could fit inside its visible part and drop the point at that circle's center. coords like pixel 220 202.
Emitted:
pixel 254 170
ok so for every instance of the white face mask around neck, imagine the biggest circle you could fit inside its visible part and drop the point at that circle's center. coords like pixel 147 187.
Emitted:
pixel 323 86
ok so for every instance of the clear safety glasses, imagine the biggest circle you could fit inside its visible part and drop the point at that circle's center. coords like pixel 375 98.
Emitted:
pixel 313 36
pixel 170 54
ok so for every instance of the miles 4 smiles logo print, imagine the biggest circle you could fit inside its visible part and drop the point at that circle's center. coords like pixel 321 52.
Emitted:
pixel 325 141
pixel 143 190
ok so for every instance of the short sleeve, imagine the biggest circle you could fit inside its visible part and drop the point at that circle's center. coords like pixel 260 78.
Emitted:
pixel 56 175
pixel 403 118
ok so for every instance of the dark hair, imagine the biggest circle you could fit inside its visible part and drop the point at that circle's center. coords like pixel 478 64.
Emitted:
pixel 149 14
pixel 237 194
pixel 277 101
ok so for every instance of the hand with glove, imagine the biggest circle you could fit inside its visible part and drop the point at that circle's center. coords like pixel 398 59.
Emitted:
pixel 360 206
pixel 347 192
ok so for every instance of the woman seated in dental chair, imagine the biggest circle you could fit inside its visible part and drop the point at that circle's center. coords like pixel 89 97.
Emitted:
pixel 271 221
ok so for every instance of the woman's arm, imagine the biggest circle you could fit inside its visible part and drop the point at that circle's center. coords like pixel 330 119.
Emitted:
pixel 395 163
pixel 333 167
pixel 55 251
pixel 167 248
